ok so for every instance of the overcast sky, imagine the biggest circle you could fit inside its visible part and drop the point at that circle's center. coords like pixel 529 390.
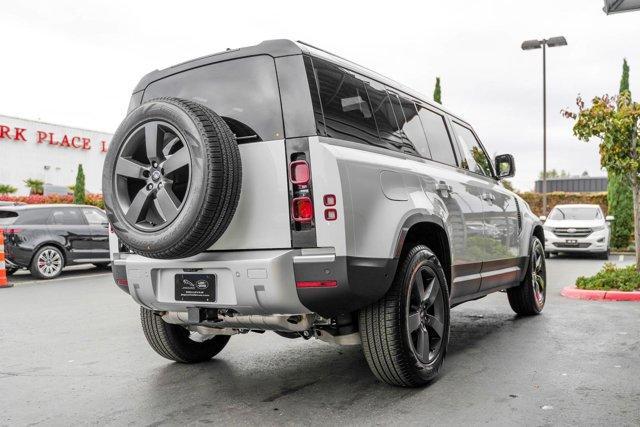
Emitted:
pixel 76 62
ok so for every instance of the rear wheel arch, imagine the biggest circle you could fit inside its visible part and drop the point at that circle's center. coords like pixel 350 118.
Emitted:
pixel 538 232
pixel 428 230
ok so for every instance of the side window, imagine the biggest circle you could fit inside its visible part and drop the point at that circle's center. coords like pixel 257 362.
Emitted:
pixel 347 111
pixel 33 217
pixel 474 157
pixel 437 136
pixel 412 128
pixel 94 216
pixel 66 216
pixel 390 134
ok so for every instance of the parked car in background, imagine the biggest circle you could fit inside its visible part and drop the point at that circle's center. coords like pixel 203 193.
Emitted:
pixel 577 228
pixel 46 238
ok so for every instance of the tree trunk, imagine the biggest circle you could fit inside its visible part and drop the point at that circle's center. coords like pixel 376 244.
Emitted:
pixel 636 196
pixel 636 219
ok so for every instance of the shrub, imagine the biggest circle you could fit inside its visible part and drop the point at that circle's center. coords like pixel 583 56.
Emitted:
pixel 34 199
pixel 7 189
pixel 621 207
pixel 560 197
pixel 79 194
pixel 612 277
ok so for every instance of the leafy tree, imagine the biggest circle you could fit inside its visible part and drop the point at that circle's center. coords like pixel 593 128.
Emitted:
pixel 437 92
pixel 36 186
pixel 615 121
pixel 552 173
pixel 7 189
pixel 619 191
pixel 79 194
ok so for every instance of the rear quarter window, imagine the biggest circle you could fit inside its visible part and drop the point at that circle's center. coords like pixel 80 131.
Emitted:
pixel 7 217
pixel 242 91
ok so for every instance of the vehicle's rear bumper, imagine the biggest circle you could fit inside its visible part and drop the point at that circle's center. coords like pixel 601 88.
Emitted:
pixel 260 282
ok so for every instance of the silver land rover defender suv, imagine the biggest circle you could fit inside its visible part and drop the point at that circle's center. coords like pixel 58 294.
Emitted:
pixel 281 188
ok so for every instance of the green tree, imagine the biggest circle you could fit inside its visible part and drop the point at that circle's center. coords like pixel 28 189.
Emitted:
pixel 7 189
pixel 619 191
pixel 437 92
pixel 79 194
pixel 36 186
pixel 552 173
pixel 614 120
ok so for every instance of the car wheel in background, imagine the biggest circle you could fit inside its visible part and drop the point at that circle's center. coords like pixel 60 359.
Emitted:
pixel 405 334
pixel 175 342
pixel 47 263
pixel 604 255
pixel 529 297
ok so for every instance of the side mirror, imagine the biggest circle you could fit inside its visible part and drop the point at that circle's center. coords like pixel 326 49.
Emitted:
pixel 505 166
pixel 609 218
pixel 543 218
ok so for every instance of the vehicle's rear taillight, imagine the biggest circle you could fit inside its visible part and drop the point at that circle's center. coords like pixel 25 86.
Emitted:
pixel 8 231
pixel 299 172
pixel 302 209
pixel 302 200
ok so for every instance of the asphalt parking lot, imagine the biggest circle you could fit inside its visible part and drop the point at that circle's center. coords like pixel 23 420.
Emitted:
pixel 72 352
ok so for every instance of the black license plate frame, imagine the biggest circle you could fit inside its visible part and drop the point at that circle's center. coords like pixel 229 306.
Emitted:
pixel 195 287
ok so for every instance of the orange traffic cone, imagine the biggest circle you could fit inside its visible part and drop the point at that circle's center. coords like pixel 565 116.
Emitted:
pixel 4 283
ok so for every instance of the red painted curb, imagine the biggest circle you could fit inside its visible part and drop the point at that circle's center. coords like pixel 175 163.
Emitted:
pixel 584 294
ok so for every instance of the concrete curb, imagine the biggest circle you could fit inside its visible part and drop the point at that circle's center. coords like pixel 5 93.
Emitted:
pixel 575 293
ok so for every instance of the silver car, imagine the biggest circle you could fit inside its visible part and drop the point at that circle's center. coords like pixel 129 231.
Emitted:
pixel 279 187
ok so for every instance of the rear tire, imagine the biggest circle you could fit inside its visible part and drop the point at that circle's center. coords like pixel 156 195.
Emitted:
pixel 405 334
pixel 172 341
pixel 10 271
pixel 530 296
pixel 47 263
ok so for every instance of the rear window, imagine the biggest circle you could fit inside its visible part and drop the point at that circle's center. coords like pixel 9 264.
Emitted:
pixel 7 217
pixel 243 91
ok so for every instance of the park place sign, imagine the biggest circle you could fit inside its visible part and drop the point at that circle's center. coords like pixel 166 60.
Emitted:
pixel 43 136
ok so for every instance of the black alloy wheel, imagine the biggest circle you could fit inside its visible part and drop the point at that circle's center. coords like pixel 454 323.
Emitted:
pixel 405 334
pixel 530 296
pixel 153 175
pixel 425 314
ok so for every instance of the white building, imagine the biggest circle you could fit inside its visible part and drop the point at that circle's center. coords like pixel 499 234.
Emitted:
pixel 51 153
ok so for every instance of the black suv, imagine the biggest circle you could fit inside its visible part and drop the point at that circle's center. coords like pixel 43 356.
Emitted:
pixel 46 238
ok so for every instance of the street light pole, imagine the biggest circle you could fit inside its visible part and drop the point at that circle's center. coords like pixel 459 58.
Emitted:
pixel 537 44
pixel 544 127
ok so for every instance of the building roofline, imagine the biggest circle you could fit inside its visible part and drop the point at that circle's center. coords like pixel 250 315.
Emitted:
pixel 54 124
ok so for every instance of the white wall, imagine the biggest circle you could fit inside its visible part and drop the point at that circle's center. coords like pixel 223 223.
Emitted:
pixel 54 159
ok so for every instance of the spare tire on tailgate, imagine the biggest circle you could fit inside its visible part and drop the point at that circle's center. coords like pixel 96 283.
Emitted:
pixel 171 179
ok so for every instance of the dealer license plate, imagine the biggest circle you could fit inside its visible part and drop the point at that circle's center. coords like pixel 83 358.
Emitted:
pixel 196 287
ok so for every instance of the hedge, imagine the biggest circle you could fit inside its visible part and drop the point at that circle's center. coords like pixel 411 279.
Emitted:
pixel 560 198
pixel 34 199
